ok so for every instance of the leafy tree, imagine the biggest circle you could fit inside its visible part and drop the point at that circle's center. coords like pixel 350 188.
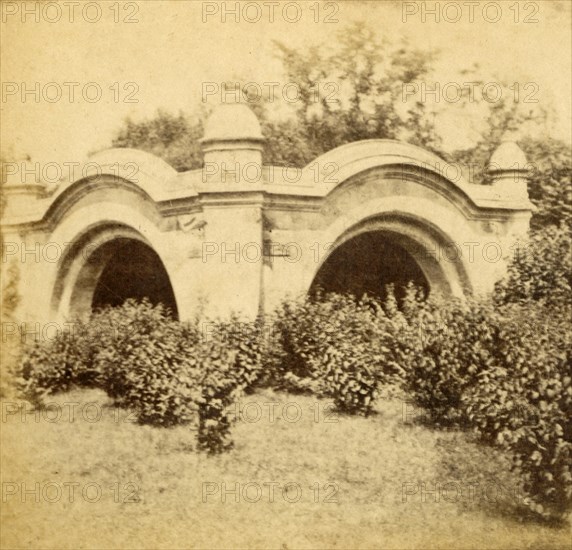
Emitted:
pixel 352 90
pixel 174 138
pixel 504 118
pixel 550 186
pixel 549 159
pixel 348 94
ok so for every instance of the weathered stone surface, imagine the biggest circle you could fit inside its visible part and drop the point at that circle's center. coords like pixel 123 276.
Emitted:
pixel 241 236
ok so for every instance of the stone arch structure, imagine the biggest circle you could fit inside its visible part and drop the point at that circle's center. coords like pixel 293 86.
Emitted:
pixel 238 235
pixel 391 249
pixel 106 265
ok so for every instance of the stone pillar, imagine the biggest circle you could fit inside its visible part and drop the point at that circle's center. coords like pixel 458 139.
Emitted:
pixel 509 171
pixel 232 253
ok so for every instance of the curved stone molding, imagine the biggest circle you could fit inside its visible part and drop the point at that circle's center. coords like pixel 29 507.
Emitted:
pixel 145 170
pixel 241 245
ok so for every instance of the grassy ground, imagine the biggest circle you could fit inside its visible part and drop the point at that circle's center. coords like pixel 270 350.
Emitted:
pixel 339 482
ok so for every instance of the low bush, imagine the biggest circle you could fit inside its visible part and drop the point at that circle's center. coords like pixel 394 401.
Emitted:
pixel 230 364
pixel 145 362
pixel 65 361
pixel 524 403
pixel 338 347
pixel 165 371
pixel 444 348
pixel 505 373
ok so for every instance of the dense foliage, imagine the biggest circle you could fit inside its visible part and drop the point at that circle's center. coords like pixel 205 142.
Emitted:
pixel 541 271
pixel 503 371
pixel 337 347
pixel 165 371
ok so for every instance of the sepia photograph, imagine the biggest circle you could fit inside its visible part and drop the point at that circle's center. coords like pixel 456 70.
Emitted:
pixel 286 274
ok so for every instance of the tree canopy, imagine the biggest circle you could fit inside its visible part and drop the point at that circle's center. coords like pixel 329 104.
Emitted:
pixel 351 90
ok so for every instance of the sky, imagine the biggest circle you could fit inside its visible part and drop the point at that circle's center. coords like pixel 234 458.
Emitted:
pixel 131 58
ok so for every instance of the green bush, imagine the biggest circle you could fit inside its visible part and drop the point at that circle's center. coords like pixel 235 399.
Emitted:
pixel 63 362
pixel 524 403
pixel 505 373
pixel 541 271
pixel 444 349
pixel 230 364
pixel 165 371
pixel 145 363
pixel 338 347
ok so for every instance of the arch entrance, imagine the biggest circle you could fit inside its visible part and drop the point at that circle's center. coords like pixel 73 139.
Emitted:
pixel 109 268
pixel 131 269
pixel 392 248
pixel 367 264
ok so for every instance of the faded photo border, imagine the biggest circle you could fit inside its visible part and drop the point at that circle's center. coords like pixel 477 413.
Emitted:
pixel 219 160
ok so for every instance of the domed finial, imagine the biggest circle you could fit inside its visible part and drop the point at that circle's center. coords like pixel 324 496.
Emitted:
pixel 509 169
pixel 508 156
pixel 232 121
pixel 233 139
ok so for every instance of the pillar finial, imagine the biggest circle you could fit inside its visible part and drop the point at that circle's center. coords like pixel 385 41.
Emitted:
pixel 232 143
pixel 509 169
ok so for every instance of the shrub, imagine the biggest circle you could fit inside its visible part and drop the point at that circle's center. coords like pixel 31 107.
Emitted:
pixel 230 364
pixel 506 374
pixel 541 272
pixel 55 366
pixel 145 363
pixel 525 402
pixel 338 347
pixel 445 348
pixel 163 370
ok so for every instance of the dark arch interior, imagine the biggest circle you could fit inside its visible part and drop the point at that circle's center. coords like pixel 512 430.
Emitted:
pixel 366 264
pixel 133 270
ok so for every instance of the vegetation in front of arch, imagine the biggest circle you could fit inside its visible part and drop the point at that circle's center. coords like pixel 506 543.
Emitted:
pixel 499 367
pixel 339 347
pixel 163 370
pixel 501 371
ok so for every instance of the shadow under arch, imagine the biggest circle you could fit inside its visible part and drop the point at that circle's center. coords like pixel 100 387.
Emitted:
pixel 367 264
pixel 392 248
pixel 106 266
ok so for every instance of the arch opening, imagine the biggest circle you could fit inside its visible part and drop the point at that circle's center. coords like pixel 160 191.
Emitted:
pixel 121 269
pixel 367 264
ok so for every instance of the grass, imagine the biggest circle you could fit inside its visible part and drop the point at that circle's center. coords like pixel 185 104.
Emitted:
pixel 153 483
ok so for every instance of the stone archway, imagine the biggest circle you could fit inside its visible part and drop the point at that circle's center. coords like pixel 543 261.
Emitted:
pixel 107 267
pixel 367 264
pixel 391 248
pixel 132 270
